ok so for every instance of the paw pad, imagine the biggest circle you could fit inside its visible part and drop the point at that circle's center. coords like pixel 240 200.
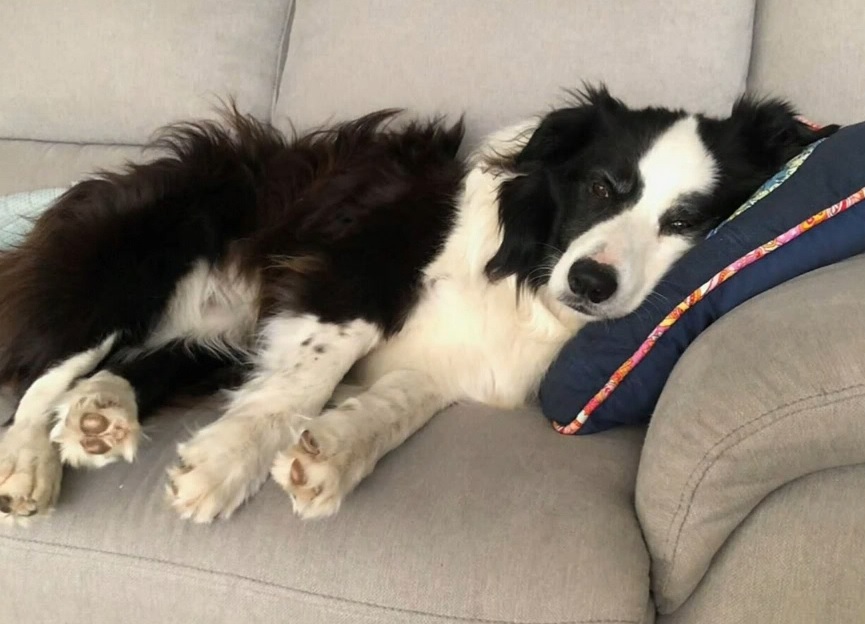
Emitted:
pixel 309 443
pixel 94 423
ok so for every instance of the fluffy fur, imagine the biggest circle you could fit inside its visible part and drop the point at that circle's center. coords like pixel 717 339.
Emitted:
pixel 362 254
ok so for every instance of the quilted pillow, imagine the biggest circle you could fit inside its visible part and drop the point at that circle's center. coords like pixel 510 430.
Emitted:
pixel 808 216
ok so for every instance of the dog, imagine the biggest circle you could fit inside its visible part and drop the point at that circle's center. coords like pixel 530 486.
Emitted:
pixel 364 265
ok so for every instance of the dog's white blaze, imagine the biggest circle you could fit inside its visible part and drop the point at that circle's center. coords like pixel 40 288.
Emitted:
pixel 676 165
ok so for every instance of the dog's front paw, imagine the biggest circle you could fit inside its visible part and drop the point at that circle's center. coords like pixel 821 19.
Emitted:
pixel 30 473
pixel 97 422
pixel 321 469
pixel 219 469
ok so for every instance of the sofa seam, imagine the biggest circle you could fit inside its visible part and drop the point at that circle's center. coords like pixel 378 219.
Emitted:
pixel 746 87
pixel 258 585
pixel 73 143
pixel 675 543
pixel 282 55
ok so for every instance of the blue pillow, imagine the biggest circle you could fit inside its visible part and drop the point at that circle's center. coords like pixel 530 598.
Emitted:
pixel 808 216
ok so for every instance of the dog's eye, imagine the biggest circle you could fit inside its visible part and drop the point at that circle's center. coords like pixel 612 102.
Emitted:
pixel 599 189
pixel 679 225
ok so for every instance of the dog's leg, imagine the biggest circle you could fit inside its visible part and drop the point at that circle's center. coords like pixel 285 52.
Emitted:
pixel 338 449
pixel 300 362
pixel 30 470
pixel 97 421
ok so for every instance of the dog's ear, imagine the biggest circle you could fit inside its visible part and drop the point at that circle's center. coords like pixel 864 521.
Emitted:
pixel 564 131
pixel 526 216
pixel 557 137
pixel 772 131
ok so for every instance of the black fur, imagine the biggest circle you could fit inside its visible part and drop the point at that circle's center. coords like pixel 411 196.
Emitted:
pixel 549 201
pixel 157 375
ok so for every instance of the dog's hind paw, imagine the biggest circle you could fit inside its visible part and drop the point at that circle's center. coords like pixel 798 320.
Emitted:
pixel 97 422
pixel 30 473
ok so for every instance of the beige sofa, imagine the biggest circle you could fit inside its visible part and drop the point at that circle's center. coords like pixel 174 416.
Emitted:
pixel 742 503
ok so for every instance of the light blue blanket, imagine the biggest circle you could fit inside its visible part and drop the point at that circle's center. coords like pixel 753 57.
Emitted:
pixel 18 211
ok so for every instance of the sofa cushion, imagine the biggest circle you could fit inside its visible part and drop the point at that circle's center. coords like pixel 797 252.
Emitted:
pixel 799 558
pixel 812 54
pixel 773 391
pixel 474 519
pixel 108 71
pixel 501 61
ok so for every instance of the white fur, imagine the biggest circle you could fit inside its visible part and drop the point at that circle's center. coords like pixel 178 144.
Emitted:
pixel 677 164
pixel 300 362
pixel 30 470
pixel 211 307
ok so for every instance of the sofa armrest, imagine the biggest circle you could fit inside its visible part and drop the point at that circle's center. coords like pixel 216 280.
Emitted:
pixel 773 391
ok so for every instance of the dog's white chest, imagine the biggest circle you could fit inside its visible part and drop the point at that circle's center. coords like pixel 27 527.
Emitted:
pixel 475 341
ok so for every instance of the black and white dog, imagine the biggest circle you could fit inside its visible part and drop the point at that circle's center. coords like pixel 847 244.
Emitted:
pixel 363 253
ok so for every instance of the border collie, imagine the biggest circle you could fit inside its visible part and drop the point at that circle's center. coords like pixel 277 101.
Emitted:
pixel 362 254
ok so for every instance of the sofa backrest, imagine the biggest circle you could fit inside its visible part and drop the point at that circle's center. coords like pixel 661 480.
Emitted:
pixel 500 61
pixel 112 71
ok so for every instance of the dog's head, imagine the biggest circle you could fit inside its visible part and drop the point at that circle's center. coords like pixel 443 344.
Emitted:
pixel 604 198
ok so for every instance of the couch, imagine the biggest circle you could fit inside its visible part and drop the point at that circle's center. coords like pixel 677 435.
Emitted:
pixel 742 502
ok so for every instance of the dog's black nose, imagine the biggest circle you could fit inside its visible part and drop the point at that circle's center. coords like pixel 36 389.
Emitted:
pixel 592 280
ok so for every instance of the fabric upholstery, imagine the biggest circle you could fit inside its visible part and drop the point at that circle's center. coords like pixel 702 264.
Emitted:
pixel 799 558
pixel 32 165
pixel 812 53
pixel 501 61
pixel 475 519
pixel 773 391
pixel 112 71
